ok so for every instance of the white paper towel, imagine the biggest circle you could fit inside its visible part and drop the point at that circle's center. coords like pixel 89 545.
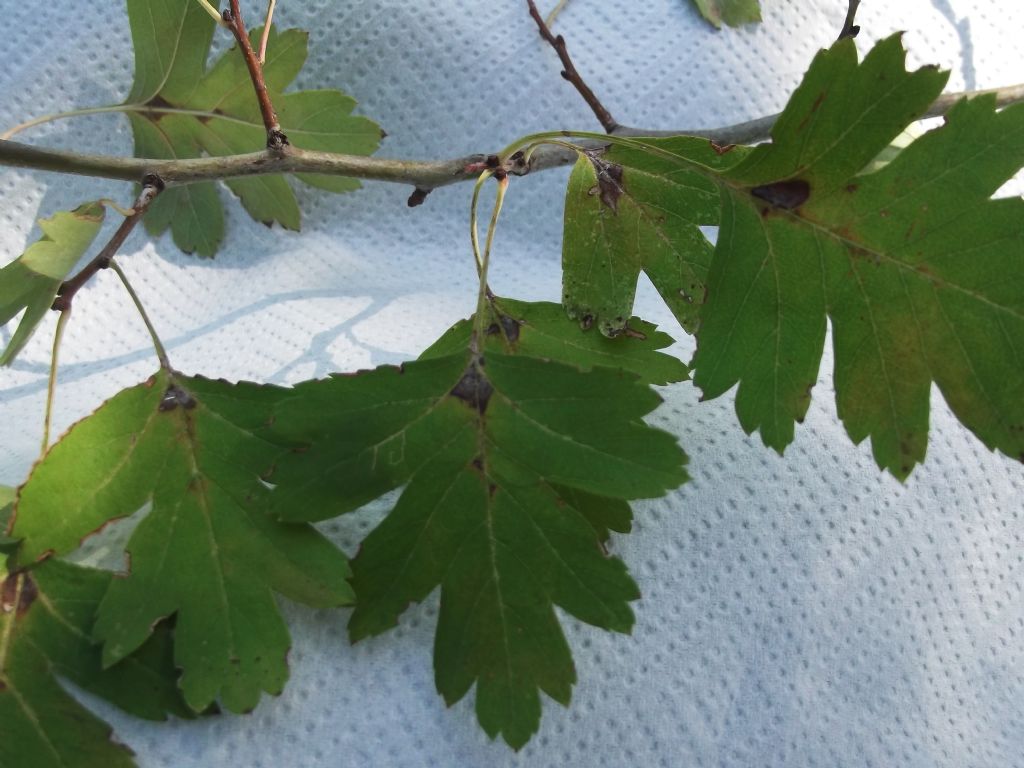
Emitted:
pixel 797 611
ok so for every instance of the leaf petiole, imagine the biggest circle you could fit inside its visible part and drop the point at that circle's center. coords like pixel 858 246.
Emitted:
pixel 51 384
pixel 161 351
pixel 266 32
pixel 474 234
pixel 483 262
pixel 210 9
pixel 553 137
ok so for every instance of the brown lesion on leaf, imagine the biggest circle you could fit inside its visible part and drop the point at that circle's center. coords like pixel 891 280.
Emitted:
pixel 609 187
pixel 721 149
pixel 17 593
pixel 507 326
pixel 156 108
pixel 473 388
pixel 174 397
pixel 632 333
pixel 786 195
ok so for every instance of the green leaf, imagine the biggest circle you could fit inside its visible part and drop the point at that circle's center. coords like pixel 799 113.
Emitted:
pixel 732 12
pixel 171 39
pixel 206 550
pixel 181 109
pixel 45 618
pixel 7 494
pixel 919 270
pixel 515 468
pixel 30 282
pixel 629 211
pixel 7 543
pixel 541 329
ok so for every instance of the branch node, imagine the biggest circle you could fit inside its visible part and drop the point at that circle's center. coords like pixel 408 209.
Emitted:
pixel 517 164
pixel 152 185
pixel 276 140
pixel 418 197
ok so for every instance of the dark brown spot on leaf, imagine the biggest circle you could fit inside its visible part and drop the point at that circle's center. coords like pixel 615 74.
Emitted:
pixel 721 149
pixel 17 593
pixel 786 195
pixel 175 396
pixel 473 388
pixel 633 333
pixel 155 104
pixel 509 328
pixel 609 181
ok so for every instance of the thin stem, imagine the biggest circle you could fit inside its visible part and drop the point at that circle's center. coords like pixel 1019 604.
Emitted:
pixel 266 31
pixel 424 175
pixel 212 11
pixel 530 150
pixel 51 384
pixel 158 346
pixel 569 71
pixel 550 20
pixel 849 28
pixel 276 140
pixel 484 295
pixel 116 206
pixel 42 120
pixel 528 144
pixel 151 187
pixel 146 109
pixel 474 234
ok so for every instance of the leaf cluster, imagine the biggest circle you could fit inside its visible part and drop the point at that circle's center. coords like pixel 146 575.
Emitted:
pixel 516 441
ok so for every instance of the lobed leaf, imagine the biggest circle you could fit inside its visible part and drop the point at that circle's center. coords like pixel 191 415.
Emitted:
pixel 31 281
pixel 206 551
pixel 45 617
pixel 515 468
pixel 629 211
pixel 919 270
pixel 541 329
pixel 180 109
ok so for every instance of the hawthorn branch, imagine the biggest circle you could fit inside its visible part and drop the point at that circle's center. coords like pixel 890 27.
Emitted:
pixel 569 71
pixel 276 140
pixel 849 28
pixel 152 185
pixel 423 175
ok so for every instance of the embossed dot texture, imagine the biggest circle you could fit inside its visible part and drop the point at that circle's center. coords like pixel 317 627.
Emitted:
pixel 803 610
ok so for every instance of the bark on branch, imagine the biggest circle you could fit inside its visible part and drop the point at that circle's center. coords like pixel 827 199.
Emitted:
pixel 151 187
pixel 570 73
pixel 276 140
pixel 424 175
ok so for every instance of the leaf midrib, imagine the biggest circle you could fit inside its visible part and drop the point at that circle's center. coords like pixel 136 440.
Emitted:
pixel 742 195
